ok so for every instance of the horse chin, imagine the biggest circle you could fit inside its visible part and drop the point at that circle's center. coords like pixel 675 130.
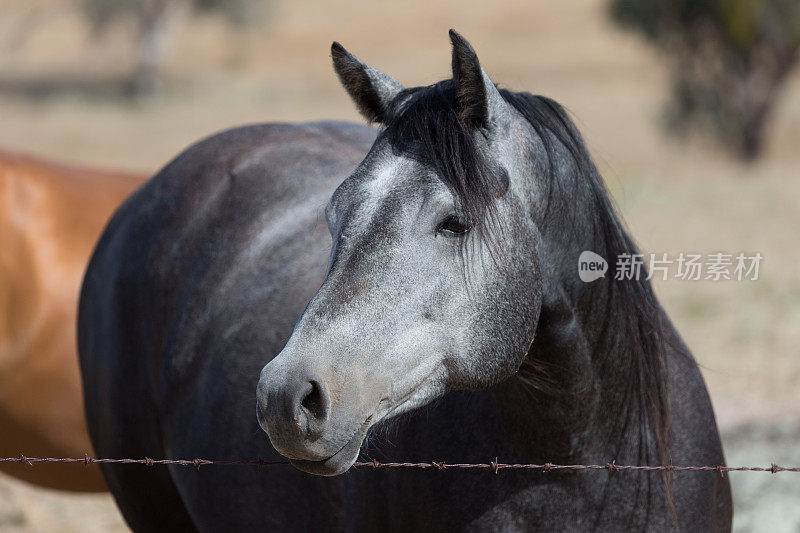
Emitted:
pixel 339 462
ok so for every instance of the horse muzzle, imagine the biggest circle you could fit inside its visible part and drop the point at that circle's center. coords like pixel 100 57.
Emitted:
pixel 295 408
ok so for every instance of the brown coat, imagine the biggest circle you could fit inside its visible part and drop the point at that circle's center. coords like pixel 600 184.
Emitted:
pixel 50 219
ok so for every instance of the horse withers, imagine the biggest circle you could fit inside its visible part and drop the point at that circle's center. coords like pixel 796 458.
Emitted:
pixel 433 265
pixel 50 218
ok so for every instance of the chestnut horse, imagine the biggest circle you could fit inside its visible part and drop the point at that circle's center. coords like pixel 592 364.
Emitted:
pixel 50 219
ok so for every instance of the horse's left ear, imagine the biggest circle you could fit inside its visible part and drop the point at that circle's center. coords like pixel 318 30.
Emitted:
pixel 480 103
pixel 371 90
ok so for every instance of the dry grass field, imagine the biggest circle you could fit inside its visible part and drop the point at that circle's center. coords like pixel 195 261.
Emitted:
pixel 676 196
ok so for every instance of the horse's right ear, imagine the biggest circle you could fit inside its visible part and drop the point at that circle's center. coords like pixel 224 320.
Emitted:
pixel 371 90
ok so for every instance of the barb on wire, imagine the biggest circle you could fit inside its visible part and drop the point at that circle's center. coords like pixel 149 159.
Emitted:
pixel 493 466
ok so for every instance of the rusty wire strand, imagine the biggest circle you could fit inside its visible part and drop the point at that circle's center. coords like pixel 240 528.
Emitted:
pixel 494 466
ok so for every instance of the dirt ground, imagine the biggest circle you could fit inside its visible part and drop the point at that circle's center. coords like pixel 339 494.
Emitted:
pixel 56 100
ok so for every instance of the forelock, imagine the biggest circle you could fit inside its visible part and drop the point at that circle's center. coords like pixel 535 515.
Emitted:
pixel 424 124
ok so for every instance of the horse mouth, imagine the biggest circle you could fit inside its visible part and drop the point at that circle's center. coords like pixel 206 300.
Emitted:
pixel 339 462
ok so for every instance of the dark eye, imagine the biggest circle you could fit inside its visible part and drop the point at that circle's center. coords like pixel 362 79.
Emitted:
pixel 453 225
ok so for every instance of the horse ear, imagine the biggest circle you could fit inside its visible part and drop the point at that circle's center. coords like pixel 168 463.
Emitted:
pixel 371 90
pixel 480 103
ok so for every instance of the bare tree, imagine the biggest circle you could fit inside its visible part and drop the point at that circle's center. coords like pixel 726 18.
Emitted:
pixel 156 23
pixel 728 60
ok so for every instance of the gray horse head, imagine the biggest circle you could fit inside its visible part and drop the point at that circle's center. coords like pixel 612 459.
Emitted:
pixel 434 281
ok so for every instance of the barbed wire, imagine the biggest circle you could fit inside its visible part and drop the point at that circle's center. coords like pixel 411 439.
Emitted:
pixel 494 466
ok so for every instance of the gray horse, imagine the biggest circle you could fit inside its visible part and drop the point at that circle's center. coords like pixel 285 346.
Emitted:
pixel 441 278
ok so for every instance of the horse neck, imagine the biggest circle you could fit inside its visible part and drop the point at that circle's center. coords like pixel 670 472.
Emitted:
pixel 574 397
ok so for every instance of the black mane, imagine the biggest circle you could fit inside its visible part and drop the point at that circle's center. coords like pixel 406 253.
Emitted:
pixel 425 125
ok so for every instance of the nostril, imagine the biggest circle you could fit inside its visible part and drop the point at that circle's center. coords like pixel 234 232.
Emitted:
pixel 315 403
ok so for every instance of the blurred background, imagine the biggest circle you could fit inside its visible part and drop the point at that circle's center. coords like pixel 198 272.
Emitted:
pixel 690 108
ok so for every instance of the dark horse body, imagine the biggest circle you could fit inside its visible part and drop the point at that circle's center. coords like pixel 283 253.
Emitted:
pixel 200 279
